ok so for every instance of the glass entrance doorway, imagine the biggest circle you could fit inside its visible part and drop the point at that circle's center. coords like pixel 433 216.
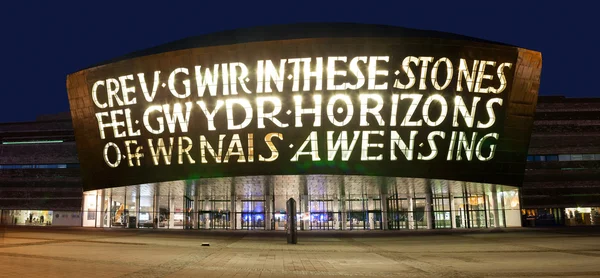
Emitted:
pixel 214 214
pixel 215 220
pixel 322 216
pixel 252 216
pixel 397 213
pixel 363 214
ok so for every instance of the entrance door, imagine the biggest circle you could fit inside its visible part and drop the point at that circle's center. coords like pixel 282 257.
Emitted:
pixel 321 215
pixel 357 220
pixel 321 221
pixel 252 215
pixel 397 213
pixel 215 220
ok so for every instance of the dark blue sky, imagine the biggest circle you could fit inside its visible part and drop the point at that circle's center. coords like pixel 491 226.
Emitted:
pixel 43 42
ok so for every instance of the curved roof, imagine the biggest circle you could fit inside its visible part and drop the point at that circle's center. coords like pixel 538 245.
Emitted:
pixel 293 31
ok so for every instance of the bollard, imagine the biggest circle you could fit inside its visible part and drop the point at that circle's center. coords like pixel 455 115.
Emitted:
pixel 291 230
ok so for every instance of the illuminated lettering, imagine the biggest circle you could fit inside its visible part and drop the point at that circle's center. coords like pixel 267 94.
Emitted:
pixel 127 90
pixel 301 111
pixel 432 145
pixel 502 77
pixel 112 88
pixel 113 123
pixel 136 155
pixel 451 146
pixel 101 124
pixel 261 115
pixel 160 120
pixel 364 154
pixel 209 79
pixel 317 74
pixel 186 83
pixel 463 71
pixel 178 116
pixel 434 74
pixel 270 73
pixel 409 73
pixel 349 109
pixel 360 77
pixel 250 147
pixel 95 94
pixel 210 115
pixel 461 108
pixel 463 143
pixel 129 124
pixel 205 146
pixel 116 124
pixel 234 80
pixel 161 150
pixel 332 72
pixel 186 150
pixel 424 65
pixel 364 110
pixel 416 98
pixel 444 110
pixel 492 147
pixel 235 148
pixel 147 95
pixel 341 143
pixel 272 148
pixel 482 76
pixel 296 73
pixel 244 103
pixel 394 110
pixel 117 161
pixel 407 150
pixel 374 72
pixel 313 152
pixel 489 107
pixel 225 78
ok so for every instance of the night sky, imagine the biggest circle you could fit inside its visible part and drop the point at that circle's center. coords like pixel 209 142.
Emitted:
pixel 43 42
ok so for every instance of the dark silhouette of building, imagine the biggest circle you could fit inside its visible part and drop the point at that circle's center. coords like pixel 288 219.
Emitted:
pixel 39 172
pixel 562 180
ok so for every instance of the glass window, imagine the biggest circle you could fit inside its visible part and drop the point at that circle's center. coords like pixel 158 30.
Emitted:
pixel 146 215
pixel 552 157
pixel 564 157
pixel 587 157
pixel 576 157
pixel 530 158
pixel 117 207
pixel 131 206
pixel 539 158
pixel 89 208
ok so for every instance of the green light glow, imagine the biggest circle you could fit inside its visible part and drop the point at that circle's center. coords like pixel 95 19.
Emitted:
pixel 32 142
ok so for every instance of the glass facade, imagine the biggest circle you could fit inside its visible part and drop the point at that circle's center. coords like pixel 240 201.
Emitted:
pixel 582 216
pixel 324 202
pixel 28 217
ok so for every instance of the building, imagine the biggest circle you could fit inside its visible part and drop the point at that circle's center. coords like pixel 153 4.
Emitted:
pixel 562 181
pixel 366 126
pixel 40 182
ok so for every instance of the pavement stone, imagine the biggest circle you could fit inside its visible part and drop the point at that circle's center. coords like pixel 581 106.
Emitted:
pixel 79 252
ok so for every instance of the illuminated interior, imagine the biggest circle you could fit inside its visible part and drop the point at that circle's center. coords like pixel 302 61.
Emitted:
pixel 324 202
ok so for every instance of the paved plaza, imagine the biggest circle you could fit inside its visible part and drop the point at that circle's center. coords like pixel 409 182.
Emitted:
pixel 82 252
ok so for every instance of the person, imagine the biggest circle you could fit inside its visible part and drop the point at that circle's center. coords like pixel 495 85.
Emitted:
pixel 30 217
pixel 42 219
pixel 155 222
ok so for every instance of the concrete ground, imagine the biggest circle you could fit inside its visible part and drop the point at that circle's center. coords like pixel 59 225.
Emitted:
pixel 83 252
